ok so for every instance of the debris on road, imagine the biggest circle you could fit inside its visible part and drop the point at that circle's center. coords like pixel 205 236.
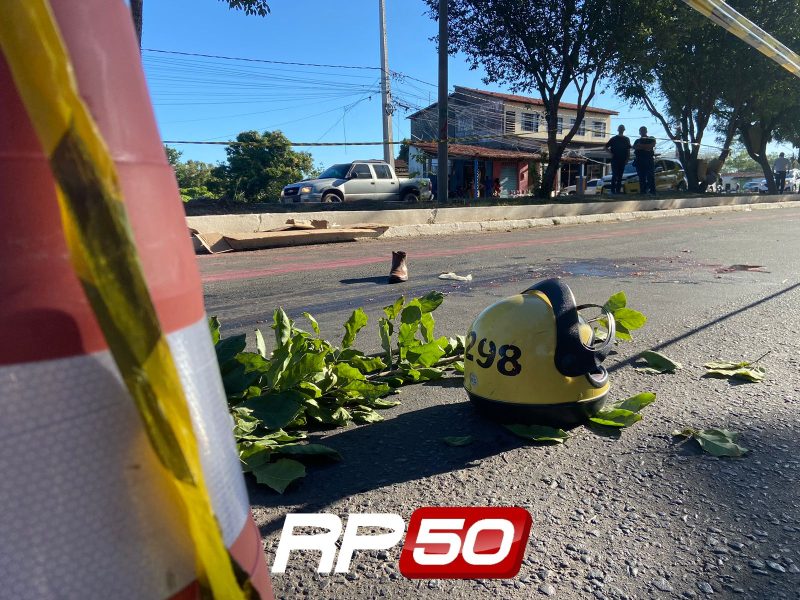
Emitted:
pixel 455 277
pixel 717 442
pixel 657 363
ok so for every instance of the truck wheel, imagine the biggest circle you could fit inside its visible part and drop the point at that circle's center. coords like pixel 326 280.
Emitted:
pixel 410 197
pixel 329 197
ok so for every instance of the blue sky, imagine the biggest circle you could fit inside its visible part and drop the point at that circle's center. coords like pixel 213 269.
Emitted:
pixel 199 98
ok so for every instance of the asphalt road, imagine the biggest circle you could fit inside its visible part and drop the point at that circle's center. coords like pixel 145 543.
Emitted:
pixel 629 516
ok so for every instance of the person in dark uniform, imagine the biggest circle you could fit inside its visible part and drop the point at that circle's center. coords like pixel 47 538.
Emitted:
pixel 620 148
pixel 644 149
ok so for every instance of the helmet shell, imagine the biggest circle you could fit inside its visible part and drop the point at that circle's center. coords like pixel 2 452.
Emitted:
pixel 510 370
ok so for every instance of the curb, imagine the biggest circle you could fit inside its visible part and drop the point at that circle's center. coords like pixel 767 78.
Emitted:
pixel 407 231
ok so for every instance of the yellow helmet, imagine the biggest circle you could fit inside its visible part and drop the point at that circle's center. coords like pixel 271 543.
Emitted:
pixel 532 358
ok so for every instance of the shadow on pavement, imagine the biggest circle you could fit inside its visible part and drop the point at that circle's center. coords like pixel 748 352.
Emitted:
pixel 402 448
pixel 712 323
pixel 378 279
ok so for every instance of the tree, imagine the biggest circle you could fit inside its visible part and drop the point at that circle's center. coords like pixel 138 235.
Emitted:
pixel 260 165
pixel 547 46
pixel 739 161
pixel 670 67
pixel 195 178
pixel 173 155
pixel 250 7
pixel 403 152
pixel 769 96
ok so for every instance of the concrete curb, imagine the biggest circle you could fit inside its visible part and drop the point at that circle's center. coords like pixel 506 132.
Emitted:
pixel 443 221
pixel 407 231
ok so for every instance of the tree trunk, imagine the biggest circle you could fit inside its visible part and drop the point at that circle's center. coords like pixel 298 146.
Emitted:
pixel 755 140
pixel 136 13
pixel 550 174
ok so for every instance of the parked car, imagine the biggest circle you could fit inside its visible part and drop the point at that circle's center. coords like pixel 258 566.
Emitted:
pixel 358 180
pixel 669 176
pixel 755 186
pixel 591 187
pixel 793 181
pixel 571 190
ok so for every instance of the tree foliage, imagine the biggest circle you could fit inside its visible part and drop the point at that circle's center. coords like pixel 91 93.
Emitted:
pixel 670 67
pixel 768 96
pixel 261 164
pixel 249 7
pixel 543 46
pixel 693 76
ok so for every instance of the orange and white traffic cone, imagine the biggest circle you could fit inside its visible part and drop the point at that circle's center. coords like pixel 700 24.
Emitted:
pixel 88 507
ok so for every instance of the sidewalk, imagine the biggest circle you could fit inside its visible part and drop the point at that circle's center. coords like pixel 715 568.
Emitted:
pixel 262 230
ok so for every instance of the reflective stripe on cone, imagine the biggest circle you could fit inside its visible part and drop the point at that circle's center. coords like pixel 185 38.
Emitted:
pixel 86 511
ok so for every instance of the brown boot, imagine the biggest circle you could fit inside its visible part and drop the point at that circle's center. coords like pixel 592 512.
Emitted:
pixel 399 272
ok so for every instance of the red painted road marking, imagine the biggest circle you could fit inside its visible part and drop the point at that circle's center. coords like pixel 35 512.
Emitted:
pixel 298 267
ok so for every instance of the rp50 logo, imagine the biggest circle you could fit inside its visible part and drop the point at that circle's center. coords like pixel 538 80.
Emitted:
pixel 442 542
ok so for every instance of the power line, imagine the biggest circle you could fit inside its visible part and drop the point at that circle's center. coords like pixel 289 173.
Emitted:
pixel 261 60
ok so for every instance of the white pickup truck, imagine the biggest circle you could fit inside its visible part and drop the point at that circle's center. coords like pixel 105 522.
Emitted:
pixel 358 180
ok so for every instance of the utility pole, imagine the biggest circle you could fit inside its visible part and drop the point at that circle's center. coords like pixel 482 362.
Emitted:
pixel 442 172
pixel 386 93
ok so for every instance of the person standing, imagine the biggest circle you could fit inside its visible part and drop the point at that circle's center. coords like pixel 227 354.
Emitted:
pixel 644 149
pixel 780 167
pixel 620 148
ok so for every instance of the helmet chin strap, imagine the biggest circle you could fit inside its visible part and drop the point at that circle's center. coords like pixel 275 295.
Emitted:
pixel 604 347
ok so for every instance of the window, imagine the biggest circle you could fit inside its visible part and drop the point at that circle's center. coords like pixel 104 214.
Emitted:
pixel 530 122
pixel 362 170
pixel 581 127
pixel 560 125
pixel 511 121
pixel 599 129
pixel 382 171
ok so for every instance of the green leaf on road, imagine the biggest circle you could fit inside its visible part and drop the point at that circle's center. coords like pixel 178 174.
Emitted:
pixel 717 442
pixel 261 345
pixel 658 363
pixel 617 301
pixel 744 370
pixel 275 410
pixel 426 355
pixel 456 441
pixel 282 325
pixel 431 301
pixel 280 474
pixel 458 366
pixel 616 417
pixel 411 314
pixel 214 326
pixel 228 348
pixel 382 403
pixel 393 310
pixel 367 365
pixel 313 321
pixel 354 324
pixel 364 414
pixel 629 319
pixel 385 330
pixel 538 433
pixel 316 450
pixel 637 402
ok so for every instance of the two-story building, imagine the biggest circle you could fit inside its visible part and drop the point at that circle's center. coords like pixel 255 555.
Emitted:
pixel 501 139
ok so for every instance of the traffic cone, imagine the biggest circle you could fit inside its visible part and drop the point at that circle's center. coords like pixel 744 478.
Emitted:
pixel 88 511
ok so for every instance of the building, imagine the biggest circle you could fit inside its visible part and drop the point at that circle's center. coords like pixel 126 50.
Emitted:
pixel 503 137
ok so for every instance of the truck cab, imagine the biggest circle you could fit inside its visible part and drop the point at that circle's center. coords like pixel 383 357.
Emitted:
pixel 358 180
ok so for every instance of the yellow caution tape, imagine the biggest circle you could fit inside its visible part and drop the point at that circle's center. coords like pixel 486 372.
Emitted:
pixel 104 256
pixel 740 26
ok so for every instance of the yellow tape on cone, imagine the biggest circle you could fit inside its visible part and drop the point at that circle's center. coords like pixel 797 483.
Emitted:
pixel 104 256
pixel 740 26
